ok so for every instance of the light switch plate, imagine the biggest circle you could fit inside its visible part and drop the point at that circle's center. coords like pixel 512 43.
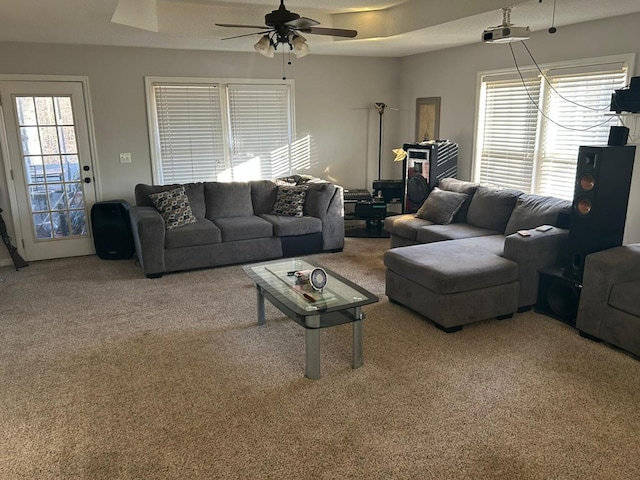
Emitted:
pixel 125 158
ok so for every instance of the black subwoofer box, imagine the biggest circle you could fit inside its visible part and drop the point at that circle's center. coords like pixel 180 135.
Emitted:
pixel 111 229
pixel 558 296
pixel 601 196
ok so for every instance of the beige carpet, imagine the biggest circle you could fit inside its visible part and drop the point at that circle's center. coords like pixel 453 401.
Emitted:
pixel 105 374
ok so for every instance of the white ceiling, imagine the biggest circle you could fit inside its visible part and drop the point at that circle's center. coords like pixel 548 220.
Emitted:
pixel 386 28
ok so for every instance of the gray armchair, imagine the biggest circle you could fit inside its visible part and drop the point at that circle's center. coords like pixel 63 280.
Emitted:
pixel 610 300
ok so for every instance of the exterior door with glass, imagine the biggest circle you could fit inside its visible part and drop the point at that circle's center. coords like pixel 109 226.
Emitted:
pixel 51 166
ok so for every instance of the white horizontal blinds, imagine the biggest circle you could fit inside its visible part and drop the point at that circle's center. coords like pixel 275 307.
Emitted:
pixel 577 102
pixel 260 126
pixel 190 132
pixel 508 139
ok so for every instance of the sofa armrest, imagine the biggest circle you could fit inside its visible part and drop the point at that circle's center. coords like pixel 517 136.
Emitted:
pixel 540 250
pixel 602 270
pixel 325 201
pixel 147 226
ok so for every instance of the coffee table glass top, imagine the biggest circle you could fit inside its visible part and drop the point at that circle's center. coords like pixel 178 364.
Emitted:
pixel 338 294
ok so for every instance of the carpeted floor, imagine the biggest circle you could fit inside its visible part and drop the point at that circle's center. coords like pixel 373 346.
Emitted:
pixel 105 374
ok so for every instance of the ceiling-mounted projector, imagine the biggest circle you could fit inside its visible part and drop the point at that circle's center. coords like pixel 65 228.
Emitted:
pixel 507 32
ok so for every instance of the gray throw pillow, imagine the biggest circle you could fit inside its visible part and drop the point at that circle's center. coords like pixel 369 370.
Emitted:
pixel 491 207
pixel 460 186
pixel 290 200
pixel 174 207
pixel 531 211
pixel 441 206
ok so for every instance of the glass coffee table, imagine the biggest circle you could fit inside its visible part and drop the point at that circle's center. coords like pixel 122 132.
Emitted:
pixel 339 302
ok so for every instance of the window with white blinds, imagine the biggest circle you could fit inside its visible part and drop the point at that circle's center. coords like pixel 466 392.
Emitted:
pixel 260 131
pixel 214 131
pixel 530 129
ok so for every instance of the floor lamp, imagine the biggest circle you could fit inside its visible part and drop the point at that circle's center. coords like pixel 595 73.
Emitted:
pixel 380 107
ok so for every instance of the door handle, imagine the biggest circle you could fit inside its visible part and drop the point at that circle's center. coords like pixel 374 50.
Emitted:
pixel 87 179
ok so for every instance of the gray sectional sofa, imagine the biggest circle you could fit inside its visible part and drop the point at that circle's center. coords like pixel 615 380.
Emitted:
pixel 473 265
pixel 234 223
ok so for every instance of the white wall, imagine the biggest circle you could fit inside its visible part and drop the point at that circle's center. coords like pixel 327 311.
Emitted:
pixel 452 75
pixel 335 99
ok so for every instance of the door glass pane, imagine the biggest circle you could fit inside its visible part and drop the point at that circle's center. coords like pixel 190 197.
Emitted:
pixel 54 184
pixel 44 111
pixel 34 169
pixel 71 168
pixel 30 140
pixel 42 225
pixel 74 195
pixel 57 198
pixel 38 196
pixel 78 222
pixel 64 113
pixel 60 222
pixel 49 140
pixel 68 139
pixel 26 111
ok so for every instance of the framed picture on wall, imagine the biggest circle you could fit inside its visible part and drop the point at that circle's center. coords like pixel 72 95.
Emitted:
pixel 427 118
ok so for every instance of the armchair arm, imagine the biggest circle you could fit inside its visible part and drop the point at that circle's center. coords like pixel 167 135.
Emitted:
pixel 540 250
pixel 147 226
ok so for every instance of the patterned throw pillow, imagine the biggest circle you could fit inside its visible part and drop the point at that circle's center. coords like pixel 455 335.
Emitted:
pixel 290 200
pixel 174 207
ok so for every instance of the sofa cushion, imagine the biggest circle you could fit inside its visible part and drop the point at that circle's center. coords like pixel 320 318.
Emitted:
pixel 203 232
pixel 405 225
pixel 441 205
pixel 289 226
pixel 459 186
pixel 491 207
pixel 624 296
pixel 531 211
pixel 194 191
pixel 290 200
pixel 174 207
pixel 243 228
pixel 227 199
pixel 263 196
pixel 437 233
pixel 318 197
pixel 450 267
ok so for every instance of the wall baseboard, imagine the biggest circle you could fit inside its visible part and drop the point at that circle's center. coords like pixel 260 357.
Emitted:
pixel 5 262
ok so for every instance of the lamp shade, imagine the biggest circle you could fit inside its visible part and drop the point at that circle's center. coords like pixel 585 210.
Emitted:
pixel 300 47
pixel 264 47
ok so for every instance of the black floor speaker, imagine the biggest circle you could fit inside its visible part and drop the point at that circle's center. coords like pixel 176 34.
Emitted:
pixel 601 196
pixel 558 296
pixel 111 229
pixel 424 166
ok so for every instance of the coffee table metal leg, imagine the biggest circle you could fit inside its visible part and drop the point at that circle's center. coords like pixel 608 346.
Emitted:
pixel 312 348
pixel 357 339
pixel 260 303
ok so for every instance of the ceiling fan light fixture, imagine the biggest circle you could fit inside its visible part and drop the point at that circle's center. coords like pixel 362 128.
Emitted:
pixel 264 47
pixel 300 46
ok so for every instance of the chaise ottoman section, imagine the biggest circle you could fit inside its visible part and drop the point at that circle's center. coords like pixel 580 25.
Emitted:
pixel 452 283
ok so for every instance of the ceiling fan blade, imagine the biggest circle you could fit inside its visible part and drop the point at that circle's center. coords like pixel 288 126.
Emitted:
pixel 302 22
pixel 239 26
pixel 246 35
pixel 336 32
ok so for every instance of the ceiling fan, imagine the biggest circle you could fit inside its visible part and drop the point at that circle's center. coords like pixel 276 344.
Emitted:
pixel 284 27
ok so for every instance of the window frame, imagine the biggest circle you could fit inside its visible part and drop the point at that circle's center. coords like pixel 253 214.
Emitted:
pixel 527 70
pixel 223 83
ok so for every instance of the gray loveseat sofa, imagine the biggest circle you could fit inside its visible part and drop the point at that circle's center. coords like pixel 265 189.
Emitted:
pixel 234 223
pixel 477 266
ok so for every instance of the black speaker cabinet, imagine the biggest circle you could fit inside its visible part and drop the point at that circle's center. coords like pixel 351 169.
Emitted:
pixel 112 230
pixel 558 296
pixel 423 168
pixel 601 196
